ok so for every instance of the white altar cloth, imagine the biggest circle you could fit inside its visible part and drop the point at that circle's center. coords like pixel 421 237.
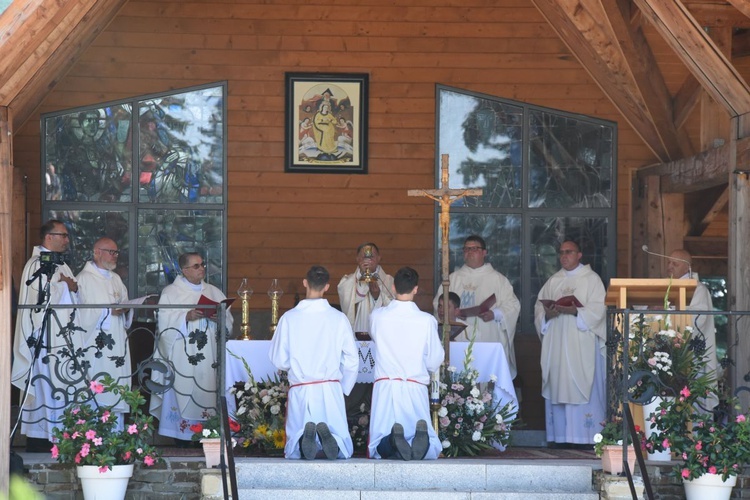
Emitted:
pixel 489 359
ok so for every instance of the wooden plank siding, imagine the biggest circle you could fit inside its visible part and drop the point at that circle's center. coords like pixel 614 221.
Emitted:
pixel 279 224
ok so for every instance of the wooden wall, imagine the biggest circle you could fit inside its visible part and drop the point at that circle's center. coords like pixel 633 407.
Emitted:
pixel 280 224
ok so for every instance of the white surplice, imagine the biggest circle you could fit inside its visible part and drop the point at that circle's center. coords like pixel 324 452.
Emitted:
pixel 28 323
pixel 407 349
pixel 314 343
pixel 572 360
pixel 474 286
pixel 100 286
pixel 356 301
pixel 194 386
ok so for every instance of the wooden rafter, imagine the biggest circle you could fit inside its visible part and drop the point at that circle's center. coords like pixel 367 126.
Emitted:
pixel 685 100
pixel 40 41
pixel 583 26
pixel 699 53
pixel 743 6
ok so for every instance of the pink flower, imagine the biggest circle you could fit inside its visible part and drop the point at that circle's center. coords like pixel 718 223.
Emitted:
pixel 78 458
pixel 96 387
pixel 127 455
pixel 75 410
pixel 85 449
pixel 686 473
pixel 80 422
pixel 685 392
pixel 103 469
pixel 699 445
pixel 712 470
pixel 139 451
pixel 740 418
pixel 148 460
pixel 55 451
pixel 90 434
pixel 132 429
pixel 665 443
pixel 105 416
pixel 98 441
pixel 76 434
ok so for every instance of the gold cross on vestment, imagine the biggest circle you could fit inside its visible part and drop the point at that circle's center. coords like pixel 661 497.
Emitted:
pixel 445 196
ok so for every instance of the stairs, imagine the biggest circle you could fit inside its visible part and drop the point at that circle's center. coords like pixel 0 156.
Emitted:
pixel 363 479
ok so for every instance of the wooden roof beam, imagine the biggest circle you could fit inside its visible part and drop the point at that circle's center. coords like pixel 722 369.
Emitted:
pixel 648 77
pixel 704 170
pixel 685 100
pixel 699 53
pixel 593 43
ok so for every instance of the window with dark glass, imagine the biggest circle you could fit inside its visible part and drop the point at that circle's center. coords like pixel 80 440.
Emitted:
pixel 545 175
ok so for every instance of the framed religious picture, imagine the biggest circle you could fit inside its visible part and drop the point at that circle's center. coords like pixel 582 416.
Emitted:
pixel 326 123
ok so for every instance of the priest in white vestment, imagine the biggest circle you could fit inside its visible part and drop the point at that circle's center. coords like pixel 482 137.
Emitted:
pixel 314 343
pixel 407 349
pixel 366 289
pixel 475 282
pixel 573 350
pixel 63 289
pixel 99 284
pixel 678 267
pixel 193 397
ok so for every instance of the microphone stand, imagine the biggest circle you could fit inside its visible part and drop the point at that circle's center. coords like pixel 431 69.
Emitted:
pixel 690 268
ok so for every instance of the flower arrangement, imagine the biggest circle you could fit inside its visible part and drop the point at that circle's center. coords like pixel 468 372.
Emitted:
pixel 211 427
pixel 88 436
pixel 611 434
pixel 469 420
pixel 261 408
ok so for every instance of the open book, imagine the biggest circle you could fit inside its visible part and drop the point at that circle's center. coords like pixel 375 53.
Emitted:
pixel 477 310
pixel 568 300
pixel 211 313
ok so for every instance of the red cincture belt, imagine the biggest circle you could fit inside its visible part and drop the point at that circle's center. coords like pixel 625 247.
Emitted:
pixel 400 379
pixel 316 382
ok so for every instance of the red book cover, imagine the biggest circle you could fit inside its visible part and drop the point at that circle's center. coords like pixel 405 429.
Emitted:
pixel 211 313
pixel 568 300
pixel 477 310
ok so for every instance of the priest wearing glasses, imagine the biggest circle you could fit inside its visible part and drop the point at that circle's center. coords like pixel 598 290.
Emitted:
pixel 194 388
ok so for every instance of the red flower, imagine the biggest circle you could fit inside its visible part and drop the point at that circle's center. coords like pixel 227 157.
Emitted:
pixel 197 428
pixel 234 426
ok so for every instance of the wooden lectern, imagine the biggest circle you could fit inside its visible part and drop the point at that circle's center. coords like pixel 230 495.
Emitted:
pixel 625 293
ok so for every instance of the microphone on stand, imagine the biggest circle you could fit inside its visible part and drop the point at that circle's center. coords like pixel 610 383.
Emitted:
pixel 690 269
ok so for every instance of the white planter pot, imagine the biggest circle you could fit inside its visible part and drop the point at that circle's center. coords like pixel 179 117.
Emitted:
pixel 109 485
pixel 709 487
pixel 648 409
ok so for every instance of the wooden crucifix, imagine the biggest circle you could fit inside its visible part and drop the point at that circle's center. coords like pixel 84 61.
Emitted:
pixel 445 196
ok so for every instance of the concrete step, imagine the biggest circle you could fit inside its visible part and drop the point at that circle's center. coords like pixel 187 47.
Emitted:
pixel 445 478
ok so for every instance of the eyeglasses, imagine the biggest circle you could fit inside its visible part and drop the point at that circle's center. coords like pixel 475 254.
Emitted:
pixel 473 249
pixel 64 235
pixel 196 266
pixel 567 252
pixel 113 253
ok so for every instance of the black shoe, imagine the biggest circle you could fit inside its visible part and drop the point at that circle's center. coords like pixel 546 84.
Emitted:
pixel 38 445
pixel 399 442
pixel 327 441
pixel 421 442
pixel 308 448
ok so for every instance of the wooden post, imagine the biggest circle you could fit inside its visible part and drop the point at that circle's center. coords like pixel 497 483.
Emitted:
pixel 6 194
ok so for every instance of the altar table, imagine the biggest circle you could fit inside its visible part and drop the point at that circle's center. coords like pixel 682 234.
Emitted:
pixel 489 359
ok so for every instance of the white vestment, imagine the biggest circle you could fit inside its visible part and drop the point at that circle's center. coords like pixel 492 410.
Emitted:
pixel 407 349
pixel 356 301
pixel 474 286
pixel 314 344
pixel 704 324
pixel 28 323
pixel 100 286
pixel 573 362
pixel 194 385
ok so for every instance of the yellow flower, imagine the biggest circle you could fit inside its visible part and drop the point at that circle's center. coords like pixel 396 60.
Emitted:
pixel 261 430
pixel 279 438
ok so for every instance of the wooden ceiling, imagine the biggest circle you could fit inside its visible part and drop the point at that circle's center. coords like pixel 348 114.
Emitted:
pixel 41 39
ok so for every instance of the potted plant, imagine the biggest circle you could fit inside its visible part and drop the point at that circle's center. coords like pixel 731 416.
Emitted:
pixel 469 420
pixel 608 446
pixel 208 433
pixel 711 448
pixel 88 438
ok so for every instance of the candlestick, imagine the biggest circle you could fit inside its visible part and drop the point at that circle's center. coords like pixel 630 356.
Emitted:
pixel 275 292
pixel 244 292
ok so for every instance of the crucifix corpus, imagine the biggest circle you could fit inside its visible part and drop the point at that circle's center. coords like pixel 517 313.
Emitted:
pixel 445 196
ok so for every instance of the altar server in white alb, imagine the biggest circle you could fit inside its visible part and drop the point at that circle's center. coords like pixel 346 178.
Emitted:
pixel 475 282
pixel 63 289
pixel 407 349
pixel 573 350
pixel 194 385
pixel 99 284
pixel 314 344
